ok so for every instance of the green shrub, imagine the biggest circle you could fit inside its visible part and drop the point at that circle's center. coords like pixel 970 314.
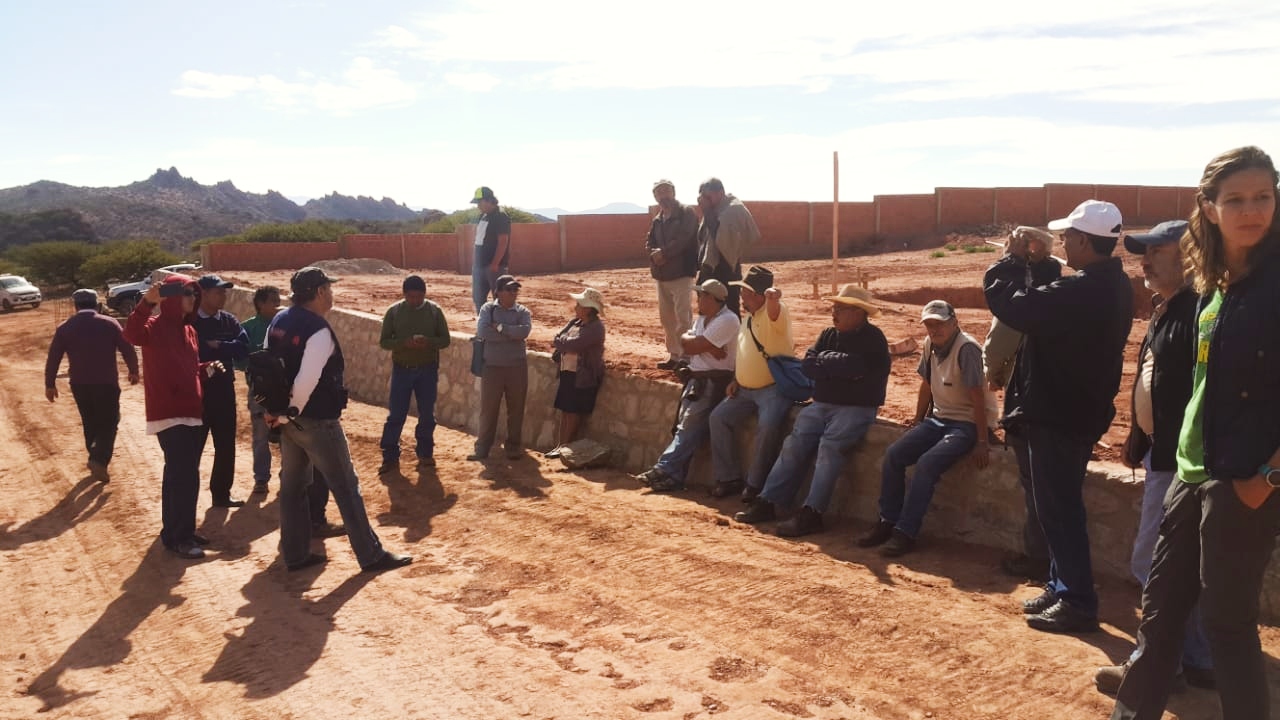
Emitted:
pixel 449 223
pixel 54 263
pixel 952 247
pixel 937 254
pixel 124 261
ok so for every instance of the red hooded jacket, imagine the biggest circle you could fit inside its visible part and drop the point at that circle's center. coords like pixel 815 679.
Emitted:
pixel 171 364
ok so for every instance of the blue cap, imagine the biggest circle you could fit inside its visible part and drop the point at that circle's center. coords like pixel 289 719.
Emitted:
pixel 1166 232
pixel 208 282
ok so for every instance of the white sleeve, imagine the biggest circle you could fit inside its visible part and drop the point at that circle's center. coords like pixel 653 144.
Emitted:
pixel 314 356
pixel 723 329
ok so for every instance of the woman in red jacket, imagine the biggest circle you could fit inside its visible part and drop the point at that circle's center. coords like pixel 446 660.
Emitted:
pixel 171 370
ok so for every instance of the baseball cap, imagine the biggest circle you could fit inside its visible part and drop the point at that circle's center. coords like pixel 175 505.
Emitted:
pixel 664 182
pixel 1095 217
pixel 1166 232
pixel 483 193
pixel 309 278
pixel 714 288
pixel 84 298
pixel 937 310
pixel 208 282
pixel 505 282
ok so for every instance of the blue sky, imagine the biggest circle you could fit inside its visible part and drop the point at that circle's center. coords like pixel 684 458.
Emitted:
pixel 576 104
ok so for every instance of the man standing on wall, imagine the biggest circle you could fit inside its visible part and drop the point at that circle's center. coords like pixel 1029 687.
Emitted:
pixel 726 231
pixel 415 331
pixel 1065 382
pixel 223 339
pixel 493 246
pixel 90 341
pixel 673 261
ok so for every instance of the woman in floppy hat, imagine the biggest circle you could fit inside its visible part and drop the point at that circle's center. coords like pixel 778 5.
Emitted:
pixel 579 351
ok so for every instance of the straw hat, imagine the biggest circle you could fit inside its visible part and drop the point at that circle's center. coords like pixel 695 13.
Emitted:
pixel 591 298
pixel 856 296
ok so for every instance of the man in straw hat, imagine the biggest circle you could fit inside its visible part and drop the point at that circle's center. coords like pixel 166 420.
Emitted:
pixel 952 408
pixel 849 365
pixel 1065 384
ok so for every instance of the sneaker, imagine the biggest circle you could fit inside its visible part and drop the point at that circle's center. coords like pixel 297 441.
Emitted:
pixel 553 453
pixel 186 550
pixel 647 477
pixel 1063 617
pixel 664 483
pixel 761 510
pixel 898 545
pixel 99 471
pixel 879 535
pixel 1107 679
pixel 1022 565
pixel 725 489
pixel 1040 603
pixel 805 522
pixel 259 489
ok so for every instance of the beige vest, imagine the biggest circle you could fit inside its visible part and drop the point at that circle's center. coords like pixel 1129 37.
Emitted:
pixel 951 399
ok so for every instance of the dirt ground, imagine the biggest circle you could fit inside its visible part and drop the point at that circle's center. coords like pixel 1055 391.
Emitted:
pixel 534 593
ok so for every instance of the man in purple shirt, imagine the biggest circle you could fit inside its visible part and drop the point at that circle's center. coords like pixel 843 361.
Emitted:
pixel 90 341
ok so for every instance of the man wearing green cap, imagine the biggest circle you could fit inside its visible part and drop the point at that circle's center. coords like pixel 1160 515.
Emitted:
pixel 493 246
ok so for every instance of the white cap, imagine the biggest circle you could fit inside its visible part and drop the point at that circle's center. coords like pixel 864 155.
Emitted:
pixel 1096 217
pixel 937 310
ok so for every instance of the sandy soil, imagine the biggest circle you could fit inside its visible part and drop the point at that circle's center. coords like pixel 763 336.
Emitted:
pixel 535 593
pixel 906 280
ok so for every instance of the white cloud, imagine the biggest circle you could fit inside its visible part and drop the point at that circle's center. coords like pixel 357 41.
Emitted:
pixel 473 81
pixel 363 85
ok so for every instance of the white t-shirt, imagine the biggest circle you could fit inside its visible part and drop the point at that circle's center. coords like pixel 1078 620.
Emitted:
pixel 722 332
pixel 482 229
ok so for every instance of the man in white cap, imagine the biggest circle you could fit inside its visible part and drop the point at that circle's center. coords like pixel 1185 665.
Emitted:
pixel 952 408
pixel 1065 384
pixel 672 245
pixel 849 365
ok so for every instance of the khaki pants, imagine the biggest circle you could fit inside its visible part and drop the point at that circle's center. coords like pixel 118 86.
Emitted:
pixel 675 311
pixel 496 383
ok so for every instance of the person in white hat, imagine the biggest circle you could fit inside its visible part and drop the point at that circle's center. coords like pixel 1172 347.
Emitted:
pixel 1063 389
pixel 579 351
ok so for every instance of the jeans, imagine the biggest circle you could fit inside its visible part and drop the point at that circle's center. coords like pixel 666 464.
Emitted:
pixel 830 430
pixel 1155 486
pixel 675 311
pixel 220 421
pixel 99 407
pixel 1058 463
pixel 261 444
pixel 1214 549
pixel 771 409
pixel 180 486
pixel 419 382
pixel 692 429
pixel 933 447
pixel 1033 542
pixel 482 280
pixel 496 383
pixel 308 446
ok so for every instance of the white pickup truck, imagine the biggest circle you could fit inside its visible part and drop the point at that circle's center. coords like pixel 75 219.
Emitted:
pixel 123 297
pixel 15 291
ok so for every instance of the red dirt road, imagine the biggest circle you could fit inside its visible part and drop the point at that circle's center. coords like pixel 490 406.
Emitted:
pixel 535 593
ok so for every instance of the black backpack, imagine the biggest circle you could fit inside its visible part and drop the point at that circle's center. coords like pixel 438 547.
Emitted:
pixel 269 382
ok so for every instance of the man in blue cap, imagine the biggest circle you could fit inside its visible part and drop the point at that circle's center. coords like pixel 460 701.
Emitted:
pixel 220 338
pixel 1161 392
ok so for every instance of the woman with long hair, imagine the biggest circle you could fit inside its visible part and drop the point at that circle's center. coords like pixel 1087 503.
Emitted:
pixel 1222 513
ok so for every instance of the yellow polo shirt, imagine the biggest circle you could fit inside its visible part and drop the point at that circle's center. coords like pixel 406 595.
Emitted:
pixel 775 335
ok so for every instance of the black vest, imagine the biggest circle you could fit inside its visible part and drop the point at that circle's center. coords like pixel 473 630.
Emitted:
pixel 289 332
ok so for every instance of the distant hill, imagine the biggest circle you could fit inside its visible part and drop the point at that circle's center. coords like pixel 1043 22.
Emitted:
pixel 617 208
pixel 178 210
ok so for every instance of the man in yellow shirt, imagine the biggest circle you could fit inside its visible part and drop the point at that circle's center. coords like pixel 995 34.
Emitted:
pixel 765 331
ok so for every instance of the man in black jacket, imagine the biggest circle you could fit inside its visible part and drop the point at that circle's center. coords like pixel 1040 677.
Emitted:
pixel 1161 392
pixel 1065 384
pixel 672 245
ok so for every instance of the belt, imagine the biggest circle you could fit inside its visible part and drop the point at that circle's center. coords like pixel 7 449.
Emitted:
pixel 711 373
pixel 416 367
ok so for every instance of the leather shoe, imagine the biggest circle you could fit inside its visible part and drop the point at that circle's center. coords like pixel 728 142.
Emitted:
pixel 1063 618
pixel 388 561
pixel 198 539
pixel 1108 678
pixel 475 456
pixel 99 471
pixel 805 522
pixel 879 535
pixel 749 494
pixel 186 550
pixel 761 510
pixel 327 529
pixel 725 489
pixel 310 561
pixel 898 545
pixel 1040 603
pixel 228 502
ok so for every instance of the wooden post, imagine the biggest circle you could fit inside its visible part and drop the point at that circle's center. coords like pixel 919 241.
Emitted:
pixel 835 222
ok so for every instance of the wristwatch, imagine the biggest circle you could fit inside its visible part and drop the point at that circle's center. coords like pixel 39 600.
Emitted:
pixel 1270 474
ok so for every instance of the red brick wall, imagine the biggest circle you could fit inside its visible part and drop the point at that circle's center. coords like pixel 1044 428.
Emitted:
pixel 906 216
pixel 1157 205
pixel 603 240
pixel 535 248
pixel 965 207
pixel 1124 197
pixel 784 229
pixel 857 226
pixel 378 247
pixel 265 256
pixel 1021 206
pixel 1061 199
pixel 437 251
pixel 1186 202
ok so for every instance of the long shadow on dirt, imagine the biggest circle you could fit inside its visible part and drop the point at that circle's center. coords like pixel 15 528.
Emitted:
pixel 414 504
pixel 81 502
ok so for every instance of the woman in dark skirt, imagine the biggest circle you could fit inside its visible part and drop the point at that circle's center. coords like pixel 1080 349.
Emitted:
pixel 580 355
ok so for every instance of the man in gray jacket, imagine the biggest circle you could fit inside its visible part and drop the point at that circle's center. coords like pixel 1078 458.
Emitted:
pixel 503 326
pixel 726 231
pixel 672 245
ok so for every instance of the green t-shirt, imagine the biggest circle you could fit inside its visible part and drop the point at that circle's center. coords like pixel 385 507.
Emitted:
pixel 1191 439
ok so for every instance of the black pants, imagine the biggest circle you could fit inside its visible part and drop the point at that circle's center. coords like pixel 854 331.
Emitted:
pixel 318 497
pixel 1058 464
pixel 1207 538
pixel 1033 542
pixel 181 483
pixel 220 421
pixel 99 407
pixel 725 273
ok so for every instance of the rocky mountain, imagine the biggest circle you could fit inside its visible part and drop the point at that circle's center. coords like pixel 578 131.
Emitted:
pixel 179 210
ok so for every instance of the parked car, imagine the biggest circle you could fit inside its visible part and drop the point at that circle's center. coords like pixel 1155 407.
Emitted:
pixel 15 291
pixel 124 297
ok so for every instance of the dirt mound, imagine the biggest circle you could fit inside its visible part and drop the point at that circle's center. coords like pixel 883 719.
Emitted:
pixel 359 266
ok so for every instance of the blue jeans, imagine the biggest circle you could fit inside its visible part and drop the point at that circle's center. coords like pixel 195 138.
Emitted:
pixel 933 447
pixel 419 382
pixel 691 431
pixel 482 280
pixel 306 446
pixel 261 445
pixel 771 409
pixel 830 430
pixel 1058 464
pixel 1155 485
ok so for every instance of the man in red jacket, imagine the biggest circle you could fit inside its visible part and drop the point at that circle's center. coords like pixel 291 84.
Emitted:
pixel 171 378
